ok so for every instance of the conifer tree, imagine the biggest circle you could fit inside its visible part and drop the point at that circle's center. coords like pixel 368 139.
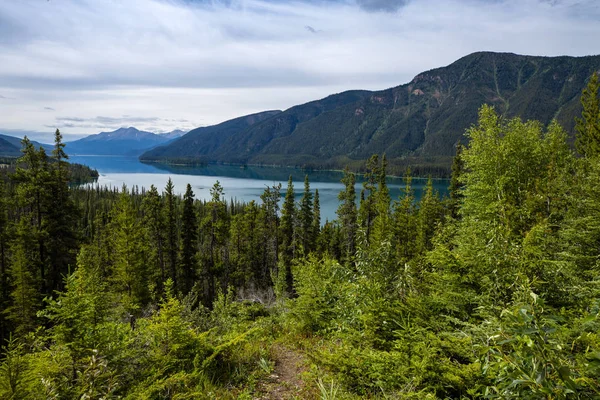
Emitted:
pixel 171 225
pixel 155 227
pixel 429 215
pixel 381 225
pixel 32 177
pixel 4 276
pixel 456 185
pixel 288 217
pixel 270 227
pixel 130 273
pixel 405 224
pixel 347 215
pixel 316 222
pixel 189 241
pixel 588 126
pixel 368 196
pixel 60 220
pixel 214 229
pixel 305 218
pixel 24 280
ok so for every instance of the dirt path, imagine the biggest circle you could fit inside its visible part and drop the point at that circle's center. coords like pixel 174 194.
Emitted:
pixel 286 380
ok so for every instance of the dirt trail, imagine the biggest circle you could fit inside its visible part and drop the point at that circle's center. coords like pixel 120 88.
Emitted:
pixel 286 380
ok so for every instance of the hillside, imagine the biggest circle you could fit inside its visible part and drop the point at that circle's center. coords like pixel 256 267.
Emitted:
pixel 10 146
pixel 123 141
pixel 198 144
pixel 417 123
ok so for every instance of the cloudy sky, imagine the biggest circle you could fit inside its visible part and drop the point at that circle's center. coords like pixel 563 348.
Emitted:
pixel 86 66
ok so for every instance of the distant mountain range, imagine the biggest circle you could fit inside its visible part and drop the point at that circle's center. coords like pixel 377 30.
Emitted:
pixel 418 123
pixel 124 141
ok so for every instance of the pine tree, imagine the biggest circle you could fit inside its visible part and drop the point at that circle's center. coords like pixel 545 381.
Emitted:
pixel 4 275
pixel 288 217
pixel 171 225
pixel 130 273
pixel 32 177
pixel 60 220
pixel 458 167
pixel 155 226
pixel 305 218
pixel 270 228
pixel 588 126
pixel 368 195
pixel 405 224
pixel 316 222
pixel 24 282
pixel 189 241
pixel 429 215
pixel 347 215
pixel 382 223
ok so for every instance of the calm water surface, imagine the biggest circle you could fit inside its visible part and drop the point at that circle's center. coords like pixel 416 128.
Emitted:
pixel 243 184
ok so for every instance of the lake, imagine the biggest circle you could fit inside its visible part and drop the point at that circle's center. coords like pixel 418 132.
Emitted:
pixel 240 183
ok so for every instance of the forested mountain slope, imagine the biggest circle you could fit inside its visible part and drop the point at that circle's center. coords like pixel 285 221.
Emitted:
pixel 199 143
pixel 419 121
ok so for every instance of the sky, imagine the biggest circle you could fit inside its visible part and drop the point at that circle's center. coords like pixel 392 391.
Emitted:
pixel 86 66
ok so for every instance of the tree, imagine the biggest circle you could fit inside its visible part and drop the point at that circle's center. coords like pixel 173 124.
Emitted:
pixel 155 226
pixel 588 126
pixel 189 241
pixel 130 273
pixel 455 188
pixel 24 280
pixel 288 244
pixel 316 222
pixel 347 214
pixel 305 218
pixel 32 177
pixel 270 222
pixel 59 223
pixel 405 224
pixel 171 221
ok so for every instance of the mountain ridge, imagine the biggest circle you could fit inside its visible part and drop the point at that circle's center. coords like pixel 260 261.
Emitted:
pixel 417 123
pixel 122 141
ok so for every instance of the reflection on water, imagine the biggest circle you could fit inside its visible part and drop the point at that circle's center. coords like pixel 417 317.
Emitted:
pixel 239 183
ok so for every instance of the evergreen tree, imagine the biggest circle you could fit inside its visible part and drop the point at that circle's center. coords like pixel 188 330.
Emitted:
pixel 171 225
pixel 458 167
pixel 347 215
pixel 316 222
pixel 270 227
pixel 382 224
pixel 429 215
pixel 288 244
pixel 214 230
pixel 32 177
pixel 24 282
pixel 189 241
pixel 155 227
pixel 4 273
pixel 305 218
pixel 63 241
pixel 588 126
pixel 405 224
pixel 130 273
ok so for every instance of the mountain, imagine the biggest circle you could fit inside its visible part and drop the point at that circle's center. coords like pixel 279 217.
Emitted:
pixel 173 134
pixel 199 143
pixel 10 146
pixel 123 141
pixel 418 123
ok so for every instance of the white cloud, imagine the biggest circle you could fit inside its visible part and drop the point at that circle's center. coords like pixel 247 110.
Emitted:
pixel 205 61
